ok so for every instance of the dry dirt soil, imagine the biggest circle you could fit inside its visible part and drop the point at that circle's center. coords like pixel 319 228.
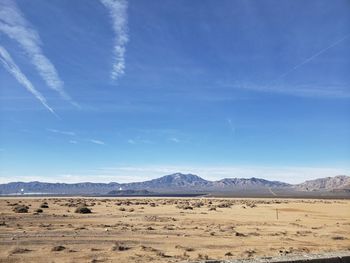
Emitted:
pixel 169 229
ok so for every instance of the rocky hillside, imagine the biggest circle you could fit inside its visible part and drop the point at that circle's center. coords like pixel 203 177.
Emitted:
pixel 247 183
pixel 172 181
pixel 340 182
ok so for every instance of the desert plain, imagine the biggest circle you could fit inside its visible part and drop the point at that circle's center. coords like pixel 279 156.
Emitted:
pixel 169 229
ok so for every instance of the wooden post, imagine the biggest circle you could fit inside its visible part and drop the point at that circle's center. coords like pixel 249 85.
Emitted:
pixel 276 213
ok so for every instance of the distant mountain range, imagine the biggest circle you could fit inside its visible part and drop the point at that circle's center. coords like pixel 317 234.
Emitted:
pixel 177 182
pixel 337 183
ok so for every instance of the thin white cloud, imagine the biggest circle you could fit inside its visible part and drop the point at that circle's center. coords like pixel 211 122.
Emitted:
pixel 97 142
pixel 131 141
pixel 230 124
pixel 139 140
pixel 308 91
pixel 118 12
pixel 174 139
pixel 75 137
pixel 15 26
pixel 62 132
pixel 13 69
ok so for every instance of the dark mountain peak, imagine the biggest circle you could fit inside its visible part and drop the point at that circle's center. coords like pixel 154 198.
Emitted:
pixel 176 180
pixel 190 178
pixel 170 182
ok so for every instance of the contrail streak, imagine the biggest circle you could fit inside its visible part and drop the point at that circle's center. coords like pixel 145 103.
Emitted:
pixel 15 71
pixel 311 58
pixel 15 26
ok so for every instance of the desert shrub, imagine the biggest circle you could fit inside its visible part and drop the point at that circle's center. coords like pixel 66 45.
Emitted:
pixel 238 234
pixel 185 207
pixel 250 252
pixel 82 210
pixel 224 205
pixel 119 247
pixel 188 249
pixel 58 248
pixel 198 204
pixel 145 248
pixel 21 209
pixel 20 251
pixel 162 254
pixel 44 205
pixel 39 210
pixel 338 238
pixel 201 256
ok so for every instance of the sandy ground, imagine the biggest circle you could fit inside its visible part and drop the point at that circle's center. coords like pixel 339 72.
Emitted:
pixel 170 229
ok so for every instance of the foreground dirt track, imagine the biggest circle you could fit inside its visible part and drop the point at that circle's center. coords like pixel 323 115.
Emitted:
pixel 169 229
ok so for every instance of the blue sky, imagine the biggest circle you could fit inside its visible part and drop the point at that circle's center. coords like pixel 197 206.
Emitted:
pixel 131 90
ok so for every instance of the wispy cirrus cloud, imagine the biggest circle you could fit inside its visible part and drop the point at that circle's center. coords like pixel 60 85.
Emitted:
pixel 118 12
pixel 69 133
pixel 75 137
pixel 307 91
pixel 16 72
pixel 139 140
pixel 97 142
pixel 231 125
pixel 174 139
pixel 131 141
pixel 16 27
